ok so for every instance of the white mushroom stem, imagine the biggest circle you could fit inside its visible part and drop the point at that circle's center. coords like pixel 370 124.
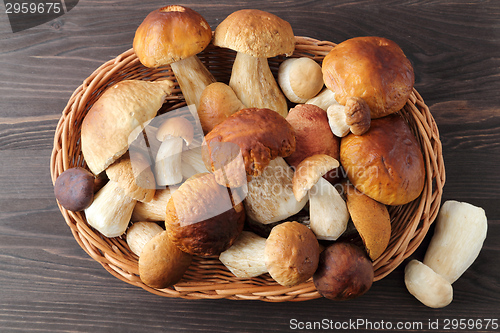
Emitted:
pixel 458 238
pixel 270 196
pixel 324 99
pixel 328 211
pixel 192 162
pixel 140 233
pixel 254 84
pixel 427 286
pixel 168 161
pixel 111 210
pixel 193 77
pixel 337 120
pixel 246 257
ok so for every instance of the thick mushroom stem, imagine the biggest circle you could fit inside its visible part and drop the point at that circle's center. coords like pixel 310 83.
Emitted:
pixel 337 120
pixel 254 84
pixel 328 211
pixel 168 161
pixel 245 258
pixel 324 99
pixel 111 210
pixel 193 77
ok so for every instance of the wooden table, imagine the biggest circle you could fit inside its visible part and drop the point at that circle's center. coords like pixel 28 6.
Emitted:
pixel 48 283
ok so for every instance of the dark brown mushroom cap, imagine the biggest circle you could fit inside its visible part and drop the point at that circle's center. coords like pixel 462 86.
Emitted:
pixel 74 189
pixel 201 218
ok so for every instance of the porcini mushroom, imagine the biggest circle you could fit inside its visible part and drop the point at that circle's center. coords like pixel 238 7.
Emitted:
pixel 217 102
pixel 173 134
pixel 328 211
pixel 256 35
pixel 173 35
pixel 74 188
pixel 291 253
pixel 202 218
pixel 117 118
pixel 130 180
pixel 459 235
pixel 245 143
pixel 300 79
pixel 270 195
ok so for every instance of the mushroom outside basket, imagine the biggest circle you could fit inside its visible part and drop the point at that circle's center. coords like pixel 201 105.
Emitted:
pixel 207 277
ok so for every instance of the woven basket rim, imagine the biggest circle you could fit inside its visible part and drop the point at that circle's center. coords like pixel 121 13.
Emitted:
pixel 412 220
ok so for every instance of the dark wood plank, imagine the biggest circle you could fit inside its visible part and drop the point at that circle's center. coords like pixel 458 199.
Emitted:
pixel 50 284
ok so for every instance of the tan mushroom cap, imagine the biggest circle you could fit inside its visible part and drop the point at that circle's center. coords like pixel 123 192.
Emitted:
pixel 176 127
pixel 291 253
pixel 117 118
pixel 161 263
pixel 372 68
pixel 371 219
pixel 309 171
pixel 256 33
pixel 133 174
pixel 170 34
pixel 300 79
pixel 217 102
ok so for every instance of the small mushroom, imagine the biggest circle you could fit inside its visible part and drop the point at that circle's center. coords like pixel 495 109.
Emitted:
pixel 130 180
pixel 371 219
pixel 173 133
pixel 173 35
pixel 459 235
pixel 427 286
pixel 245 258
pixel 74 188
pixel 270 196
pixel 202 218
pixel 256 35
pixel 300 79
pixel 328 211
pixel 344 272
pixel 161 263
pixel 217 102
pixel 140 233
pixel 291 253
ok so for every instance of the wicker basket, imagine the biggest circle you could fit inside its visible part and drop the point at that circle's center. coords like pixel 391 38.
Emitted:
pixel 208 278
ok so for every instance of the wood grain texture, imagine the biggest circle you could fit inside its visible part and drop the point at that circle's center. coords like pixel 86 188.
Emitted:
pixel 49 284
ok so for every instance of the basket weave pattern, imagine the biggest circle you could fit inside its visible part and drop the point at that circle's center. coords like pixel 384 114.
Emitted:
pixel 208 277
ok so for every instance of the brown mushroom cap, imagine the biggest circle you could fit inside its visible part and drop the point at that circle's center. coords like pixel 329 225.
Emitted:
pixel 291 253
pixel 255 32
pixel 371 219
pixel 201 218
pixel 133 174
pixel 312 134
pixel 161 263
pixel 117 117
pixel 170 34
pixel 386 162
pixel 261 134
pixel 372 68
pixel 74 188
